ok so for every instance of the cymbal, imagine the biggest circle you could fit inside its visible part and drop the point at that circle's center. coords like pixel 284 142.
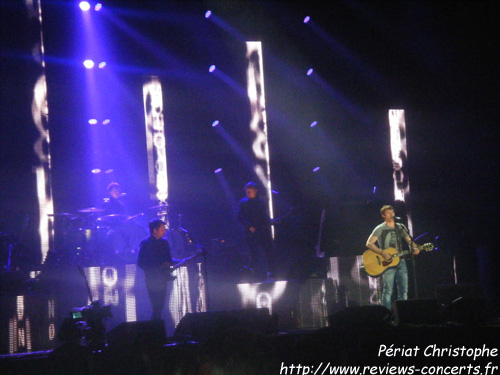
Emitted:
pixel 91 209
pixel 114 219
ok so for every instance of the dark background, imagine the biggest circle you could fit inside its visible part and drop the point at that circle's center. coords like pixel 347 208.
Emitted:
pixel 435 60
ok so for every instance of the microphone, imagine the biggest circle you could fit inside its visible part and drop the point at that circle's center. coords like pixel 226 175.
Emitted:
pixel 396 218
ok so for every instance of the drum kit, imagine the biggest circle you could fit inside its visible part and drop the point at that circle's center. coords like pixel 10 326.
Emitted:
pixel 91 238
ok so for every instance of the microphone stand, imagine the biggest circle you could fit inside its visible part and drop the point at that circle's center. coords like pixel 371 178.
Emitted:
pixel 399 230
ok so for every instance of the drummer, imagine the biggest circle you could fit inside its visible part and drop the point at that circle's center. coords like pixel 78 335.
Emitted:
pixel 113 204
pixel 119 242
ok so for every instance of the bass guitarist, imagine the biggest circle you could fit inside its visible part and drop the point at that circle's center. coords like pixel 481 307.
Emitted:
pixel 155 260
pixel 386 235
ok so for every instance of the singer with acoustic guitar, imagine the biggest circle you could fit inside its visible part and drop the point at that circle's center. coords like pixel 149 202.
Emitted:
pixel 387 235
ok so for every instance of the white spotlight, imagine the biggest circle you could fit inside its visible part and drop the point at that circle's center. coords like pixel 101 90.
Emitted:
pixel 89 64
pixel 84 5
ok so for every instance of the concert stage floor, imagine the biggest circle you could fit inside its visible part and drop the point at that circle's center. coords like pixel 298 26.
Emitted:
pixel 280 324
pixel 354 346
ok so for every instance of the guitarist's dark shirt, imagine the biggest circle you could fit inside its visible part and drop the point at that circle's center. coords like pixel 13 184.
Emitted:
pixel 252 212
pixel 153 253
pixel 113 206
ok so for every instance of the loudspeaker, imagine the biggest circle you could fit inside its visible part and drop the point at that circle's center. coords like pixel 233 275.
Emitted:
pixel 417 311
pixel 372 315
pixel 137 334
pixel 201 326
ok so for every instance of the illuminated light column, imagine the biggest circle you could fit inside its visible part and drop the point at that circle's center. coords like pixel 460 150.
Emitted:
pixel 180 299
pixel 19 329
pixel 109 280
pixel 130 302
pixel 93 275
pixel 155 139
pixel 201 303
pixel 52 317
pixel 399 159
pixel 40 112
pixel 258 121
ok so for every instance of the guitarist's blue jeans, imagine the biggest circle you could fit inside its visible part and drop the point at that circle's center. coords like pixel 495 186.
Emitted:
pixel 396 275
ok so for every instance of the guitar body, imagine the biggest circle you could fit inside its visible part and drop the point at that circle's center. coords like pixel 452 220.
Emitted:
pixel 376 265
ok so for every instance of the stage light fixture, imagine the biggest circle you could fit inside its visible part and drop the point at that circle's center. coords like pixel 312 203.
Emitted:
pixel 374 189
pixel 314 123
pixel 96 171
pixel 218 170
pixel 310 71
pixel 316 169
pixel 98 7
pixel 307 19
pixel 212 68
pixel 102 64
pixel 215 123
pixel 208 13
pixel 93 121
pixel 84 5
pixel 89 64
pixel 106 122
pixel 109 171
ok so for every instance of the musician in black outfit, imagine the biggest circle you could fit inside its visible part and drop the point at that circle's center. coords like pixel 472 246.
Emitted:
pixel 155 260
pixel 121 242
pixel 253 215
pixel 112 204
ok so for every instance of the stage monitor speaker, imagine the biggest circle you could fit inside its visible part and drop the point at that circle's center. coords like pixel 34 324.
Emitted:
pixel 201 326
pixel 371 315
pixel 131 335
pixel 417 311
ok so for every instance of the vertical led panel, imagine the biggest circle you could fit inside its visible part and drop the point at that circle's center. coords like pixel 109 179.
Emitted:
pixel 41 147
pixel 399 155
pixel 180 299
pixel 258 120
pixel 155 139
pixel 130 300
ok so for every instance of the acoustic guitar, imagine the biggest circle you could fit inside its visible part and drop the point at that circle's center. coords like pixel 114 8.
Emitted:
pixel 375 264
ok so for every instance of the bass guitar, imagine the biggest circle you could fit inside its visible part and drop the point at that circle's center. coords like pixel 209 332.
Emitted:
pixel 169 270
pixel 375 264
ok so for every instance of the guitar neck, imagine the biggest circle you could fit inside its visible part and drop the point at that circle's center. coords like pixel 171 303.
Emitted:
pixel 402 253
